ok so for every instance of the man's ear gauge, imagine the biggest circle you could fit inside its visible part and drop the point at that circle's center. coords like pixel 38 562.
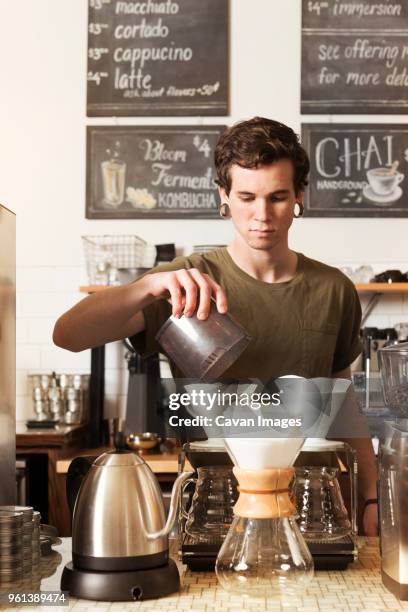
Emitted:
pixel 225 211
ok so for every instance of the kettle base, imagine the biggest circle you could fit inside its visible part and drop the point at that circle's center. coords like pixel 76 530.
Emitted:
pixel 134 585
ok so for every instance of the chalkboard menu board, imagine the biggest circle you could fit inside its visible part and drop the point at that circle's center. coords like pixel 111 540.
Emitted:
pixel 154 57
pixel 354 56
pixel 356 170
pixel 151 172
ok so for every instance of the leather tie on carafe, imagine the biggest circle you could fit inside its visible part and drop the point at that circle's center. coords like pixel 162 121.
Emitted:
pixel 264 493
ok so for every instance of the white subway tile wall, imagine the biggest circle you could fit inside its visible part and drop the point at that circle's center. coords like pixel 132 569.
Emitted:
pixel 44 293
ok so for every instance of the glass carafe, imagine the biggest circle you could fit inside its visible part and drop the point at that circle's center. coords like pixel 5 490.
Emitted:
pixel 211 511
pixel 264 553
pixel 322 514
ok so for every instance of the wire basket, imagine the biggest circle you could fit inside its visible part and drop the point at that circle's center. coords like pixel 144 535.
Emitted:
pixel 104 255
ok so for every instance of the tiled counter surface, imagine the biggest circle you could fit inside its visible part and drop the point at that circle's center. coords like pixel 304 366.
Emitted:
pixel 358 588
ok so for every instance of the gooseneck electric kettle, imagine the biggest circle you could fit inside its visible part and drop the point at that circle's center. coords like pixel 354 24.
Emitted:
pixel 120 548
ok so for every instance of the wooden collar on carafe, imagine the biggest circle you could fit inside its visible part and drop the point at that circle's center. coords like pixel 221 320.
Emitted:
pixel 264 493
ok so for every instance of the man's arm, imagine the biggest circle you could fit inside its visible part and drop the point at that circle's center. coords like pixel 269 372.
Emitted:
pixel 367 462
pixel 104 316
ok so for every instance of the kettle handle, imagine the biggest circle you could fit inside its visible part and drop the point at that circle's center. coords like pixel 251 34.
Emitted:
pixel 78 469
pixel 174 502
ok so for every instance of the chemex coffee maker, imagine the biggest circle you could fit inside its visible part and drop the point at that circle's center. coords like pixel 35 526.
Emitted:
pixel 393 486
pixel 323 470
pixel 207 508
pixel 264 553
pixel 120 548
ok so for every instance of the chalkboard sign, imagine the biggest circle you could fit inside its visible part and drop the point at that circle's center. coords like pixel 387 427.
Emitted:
pixel 354 56
pixel 151 172
pixel 154 57
pixel 357 170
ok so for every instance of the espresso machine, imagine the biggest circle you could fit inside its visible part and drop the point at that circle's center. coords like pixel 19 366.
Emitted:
pixel 206 507
pixel 393 482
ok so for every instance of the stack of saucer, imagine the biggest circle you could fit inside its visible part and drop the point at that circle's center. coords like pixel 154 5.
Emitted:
pixel 35 542
pixel 27 512
pixel 11 547
pixel 27 539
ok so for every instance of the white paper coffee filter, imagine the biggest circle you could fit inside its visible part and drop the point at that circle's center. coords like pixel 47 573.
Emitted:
pixel 262 453
pixel 317 400
pixel 301 398
pixel 334 391
pixel 215 390
pixel 226 392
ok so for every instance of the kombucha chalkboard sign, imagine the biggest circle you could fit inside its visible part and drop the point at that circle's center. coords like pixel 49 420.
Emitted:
pixel 154 57
pixel 151 172
pixel 356 170
pixel 354 56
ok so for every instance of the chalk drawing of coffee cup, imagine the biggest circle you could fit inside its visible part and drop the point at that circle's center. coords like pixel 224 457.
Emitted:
pixel 384 182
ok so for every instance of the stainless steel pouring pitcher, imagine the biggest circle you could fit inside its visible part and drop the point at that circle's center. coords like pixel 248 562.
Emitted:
pixel 119 520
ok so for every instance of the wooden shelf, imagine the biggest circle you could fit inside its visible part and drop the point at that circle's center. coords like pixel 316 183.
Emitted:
pixel 362 288
pixel 95 288
pixel 382 288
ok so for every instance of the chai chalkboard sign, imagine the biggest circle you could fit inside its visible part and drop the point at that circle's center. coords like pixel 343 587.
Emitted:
pixel 354 56
pixel 151 172
pixel 356 170
pixel 154 57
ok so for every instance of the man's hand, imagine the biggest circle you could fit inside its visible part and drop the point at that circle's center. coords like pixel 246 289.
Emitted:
pixel 187 291
pixel 370 520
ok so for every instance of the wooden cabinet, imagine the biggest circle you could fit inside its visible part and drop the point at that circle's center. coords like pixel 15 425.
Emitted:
pixel 54 444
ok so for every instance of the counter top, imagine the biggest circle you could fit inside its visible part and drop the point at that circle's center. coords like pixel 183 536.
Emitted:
pixel 357 588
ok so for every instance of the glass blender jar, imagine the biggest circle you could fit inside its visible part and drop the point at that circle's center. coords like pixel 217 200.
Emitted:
pixel 393 361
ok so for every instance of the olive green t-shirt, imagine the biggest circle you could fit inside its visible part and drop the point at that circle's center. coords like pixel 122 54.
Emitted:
pixel 308 326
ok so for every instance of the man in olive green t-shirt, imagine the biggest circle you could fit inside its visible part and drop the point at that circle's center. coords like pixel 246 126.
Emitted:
pixel 303 316
pixel 308 326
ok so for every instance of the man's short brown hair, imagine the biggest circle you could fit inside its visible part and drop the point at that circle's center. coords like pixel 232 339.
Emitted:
pixel 259 142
